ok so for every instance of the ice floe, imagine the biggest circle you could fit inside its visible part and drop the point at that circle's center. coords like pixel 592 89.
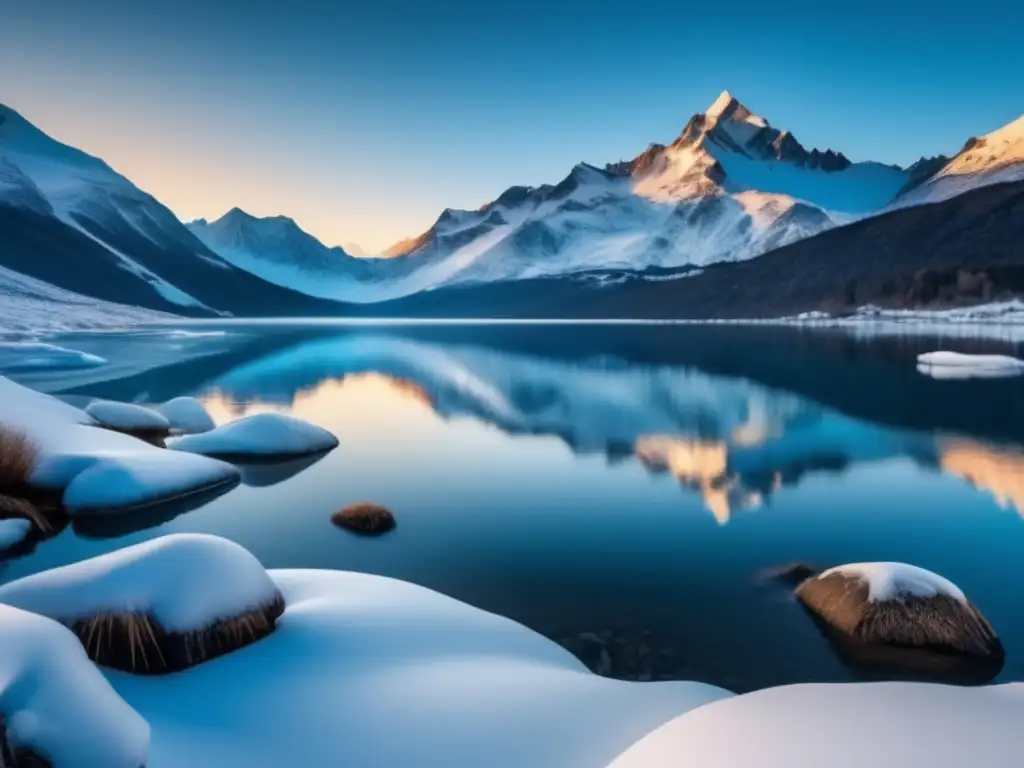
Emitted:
pixel 263 435
pixel 956 365
pixel 30 355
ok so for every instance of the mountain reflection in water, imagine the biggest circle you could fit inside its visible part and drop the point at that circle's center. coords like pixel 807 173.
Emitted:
pixel 617 489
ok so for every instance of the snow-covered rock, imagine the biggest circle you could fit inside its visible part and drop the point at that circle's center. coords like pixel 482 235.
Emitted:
pixel 380 672
pixel 187 416
pixel 901 605
pixel 119 482
pixel 13 531
pixel 27 355
pixel 127 417
pixel 882 725
pixel 262 435
pixel 99 469
pixel 56 703
pixel 186 584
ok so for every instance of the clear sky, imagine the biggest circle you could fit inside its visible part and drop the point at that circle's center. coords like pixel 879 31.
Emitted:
pixel 363 119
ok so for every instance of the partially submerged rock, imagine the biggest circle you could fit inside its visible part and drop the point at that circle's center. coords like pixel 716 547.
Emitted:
pixel 187 416
pixel 900 605
pixel 56 708
pixel 160 606
pixel 790 573
pixel 130 419
pixel 263 436
pixel 365 517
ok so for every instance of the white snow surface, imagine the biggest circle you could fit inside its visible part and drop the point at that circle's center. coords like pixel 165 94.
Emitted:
pixel 13 531
pixel 186 581
pixel 994 158
pixel 126 416
pixel 26 355
pixel 56 702
pixel 894 581
pixel 28 305
pixel 265 434
pixel 97 468
pixel 377 672
pixel 881 725
pixel 187 415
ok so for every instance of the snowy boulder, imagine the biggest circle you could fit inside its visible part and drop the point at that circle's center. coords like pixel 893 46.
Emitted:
pixel 955 365
pixel 121 482
pixel 187 416
pixel 29 355
pixel 853 725
pixel 365 517
pixel 13 531
pixel 159 606
pixel 900 605
pixel 128 418
pixel 56 708
pixel 265 435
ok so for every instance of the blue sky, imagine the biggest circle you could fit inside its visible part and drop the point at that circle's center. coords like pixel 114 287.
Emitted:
pixel 362 120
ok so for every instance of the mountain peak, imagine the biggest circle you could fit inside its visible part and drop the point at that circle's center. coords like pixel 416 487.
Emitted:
pixel 727 108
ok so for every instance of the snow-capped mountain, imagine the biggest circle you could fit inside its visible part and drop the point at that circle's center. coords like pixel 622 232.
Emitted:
pixel 994 158
pixel 279 251
pixel 69 219
pixel 730 187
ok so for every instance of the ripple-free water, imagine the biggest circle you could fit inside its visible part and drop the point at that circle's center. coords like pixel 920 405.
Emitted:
pixel 509 456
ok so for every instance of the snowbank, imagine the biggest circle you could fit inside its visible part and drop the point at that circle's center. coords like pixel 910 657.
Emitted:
pixel 127 417
pixel 28 355
pixel 187 415
pixel 262 435
pixel 900 605
pixel 377 672
pixel 98 469
pixel 185 583
pixel 55 702
pixel 881 725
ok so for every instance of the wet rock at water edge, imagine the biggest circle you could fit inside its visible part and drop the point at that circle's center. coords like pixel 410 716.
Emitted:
pixel 902 606
pixel 365 518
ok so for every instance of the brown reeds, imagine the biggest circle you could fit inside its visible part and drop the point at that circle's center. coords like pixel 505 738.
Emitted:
pixel 939 623
pixel 136 642
pixel 366 518
pixel 18 457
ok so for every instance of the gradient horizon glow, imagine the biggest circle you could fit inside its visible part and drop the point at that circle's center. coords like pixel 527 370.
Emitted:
pixel 363 120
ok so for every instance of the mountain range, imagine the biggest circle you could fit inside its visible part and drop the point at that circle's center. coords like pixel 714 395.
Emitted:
pixel 734 217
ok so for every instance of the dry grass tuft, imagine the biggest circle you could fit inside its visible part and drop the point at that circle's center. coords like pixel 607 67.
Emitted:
pixel 366 518
pixel 18 457
pixel 136 642
pixel 940 623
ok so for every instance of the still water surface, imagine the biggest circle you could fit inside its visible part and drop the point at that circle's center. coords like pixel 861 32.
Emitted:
pixel 620 490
